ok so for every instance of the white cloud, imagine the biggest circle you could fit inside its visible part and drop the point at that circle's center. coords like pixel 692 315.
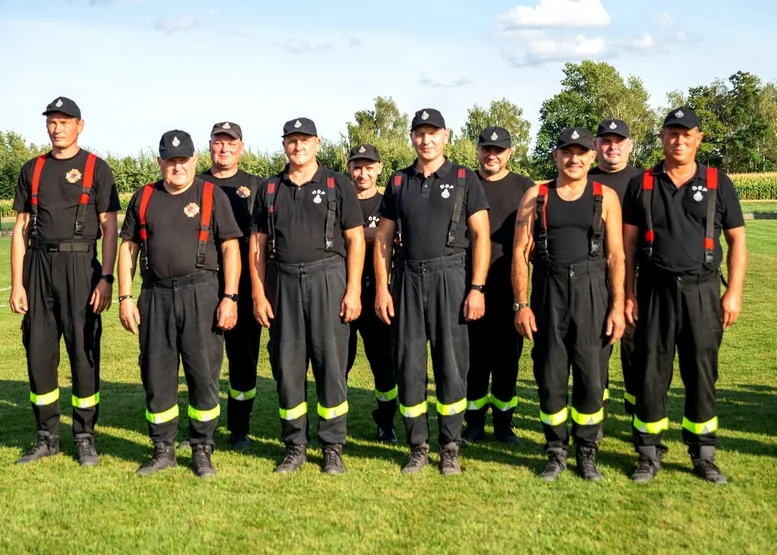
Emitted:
pixel 460 82
pixel 665 19
pixel 643 42
pixel 546 48
pixel 556 13
pixel 681 36
pixel 171 25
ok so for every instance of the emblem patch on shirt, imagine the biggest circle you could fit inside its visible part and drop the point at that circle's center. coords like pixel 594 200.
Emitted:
pixel 318 193
pixel 697 195
pixel 73 176
pixel 446 190
pixel 191 209
pixel 372 221
pixel 243 192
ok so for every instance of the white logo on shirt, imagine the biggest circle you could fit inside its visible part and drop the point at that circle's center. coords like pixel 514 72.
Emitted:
pixel 697 196
pixel 318 193
pixel 373 221
pixel 446 190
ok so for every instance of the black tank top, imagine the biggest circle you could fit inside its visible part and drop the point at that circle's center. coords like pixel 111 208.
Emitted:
pixel 569 226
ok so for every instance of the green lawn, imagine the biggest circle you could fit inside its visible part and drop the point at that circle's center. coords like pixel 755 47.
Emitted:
pixel 498 505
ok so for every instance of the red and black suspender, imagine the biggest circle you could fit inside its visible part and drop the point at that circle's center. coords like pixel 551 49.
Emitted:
pixel 398 180
pixel 202 238
pixel 83 201
pixel 648 182
pixel 595 249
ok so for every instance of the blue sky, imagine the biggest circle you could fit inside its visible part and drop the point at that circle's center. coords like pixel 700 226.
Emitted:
pixel 140 67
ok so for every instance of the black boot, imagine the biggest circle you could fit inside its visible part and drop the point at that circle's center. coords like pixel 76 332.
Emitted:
pixel 239 442
pixel 449 460
pixel 333 459
pixel 85 451
pixel 648 465
pixel 296 455
pixel 556 464
pixel 703 459
pixel 163 457
pixel 384 418
pixel 201 463
pixel 46 446
pixel 419 458
pixel 475 428
pixel 503 427
pixel 586 463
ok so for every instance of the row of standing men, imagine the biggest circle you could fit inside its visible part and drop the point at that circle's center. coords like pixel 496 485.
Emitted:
pixel 224 254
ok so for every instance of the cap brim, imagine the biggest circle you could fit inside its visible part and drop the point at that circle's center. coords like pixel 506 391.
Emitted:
pixel 430 124
pixel 575 143
pixel 496 144
pixel 364 157
pixel 679 123
pixel 231 132
pixel 60 111
pixel 175 154
pixel 299 132
pixel 611 132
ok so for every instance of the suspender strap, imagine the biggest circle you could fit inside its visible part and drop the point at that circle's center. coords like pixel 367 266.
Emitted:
pixel 541 223
pixel 398 181
pixel 207 210
pixel 712 199
pixel 86 183
pixel 595 246
pixel 270 203
pixel 647 209
pixel 34 199
pixel 148 190
pixel 331 214
pixel 461 182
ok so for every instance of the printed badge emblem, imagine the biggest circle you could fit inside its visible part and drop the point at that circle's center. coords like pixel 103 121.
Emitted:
pixel 446 190
pixel 697 196
pixel 243 192
pixel 297 124
pixel 494 136
pixel 373 221
pixel 191 209
pixel 73 176
pixel 362 150
pixel 59 103
pixel 575 135
pixel 613 125
pixel 679 113
pixel 425 115
pixel 318 193
pixel 226 126
pixel 176 142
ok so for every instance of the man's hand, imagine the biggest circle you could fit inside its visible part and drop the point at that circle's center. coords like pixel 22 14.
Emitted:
pixel 730 307
pixel 474 305
pixel 129 315
pixel 631 312
pixel 616 325
pixel 384 305
pixel 350 307
pixel 263 311
pixel 226 314
pixel 18 300
pixel 525 323
pixel 101 297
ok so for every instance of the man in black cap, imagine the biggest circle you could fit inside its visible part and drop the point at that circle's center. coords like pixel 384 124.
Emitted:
pixel 307 255
pixel 178 225
pixel 673 217
pixel 365 166
pixel 436 208
pixel 494 343
pixel 64 200
pixel 242 342
pixel 613 149
pixel 571 230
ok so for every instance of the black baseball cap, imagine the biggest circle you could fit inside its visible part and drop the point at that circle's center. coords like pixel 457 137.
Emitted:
pixel 682 117
pixel 495 136
pixel 227 128
pixel 300 125
pixel 614 127
pixel 364 152
pixel 579 136
pixel 65 106
pixel 428 116
pixel 176 143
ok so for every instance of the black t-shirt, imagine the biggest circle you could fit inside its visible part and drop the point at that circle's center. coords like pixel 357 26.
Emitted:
pixel 371 214
pixel 300 215
pixel 426 206
pixel 679 218
pixel 173 226
pixel 617 181
pixel 59 192
pixel 241 190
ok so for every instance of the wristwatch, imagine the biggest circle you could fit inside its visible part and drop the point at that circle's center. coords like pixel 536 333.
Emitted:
pixel 481 288
pixel 233 297
pixel 108 278
pixel 519 306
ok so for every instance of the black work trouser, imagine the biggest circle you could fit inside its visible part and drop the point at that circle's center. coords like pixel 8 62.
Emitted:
pixel 305 299
pixel 629 385
pixel 178 323
pixel 494 351
pixel 570 304
pixel 682 313
pixel 59 285
pixel 376 336
pixel 428 300
pixel 242 346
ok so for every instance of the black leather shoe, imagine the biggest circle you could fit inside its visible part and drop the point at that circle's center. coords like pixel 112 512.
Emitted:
pixel 449 460
pixel 201 463
pixel 586 464
pixel 85 451
pixel 46 446
pixel 333 459
pixel 296 455
pixel 419 458
pixel 553 469
pixel 163 457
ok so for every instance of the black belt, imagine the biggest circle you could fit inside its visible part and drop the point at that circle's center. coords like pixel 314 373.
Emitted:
pixel 173 283
pixel 69 246
pixel 581 269
pixel 657 275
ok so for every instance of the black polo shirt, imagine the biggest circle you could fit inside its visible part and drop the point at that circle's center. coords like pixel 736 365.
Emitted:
pixel 617 181
pixel 300 215
pixel 427 206
pixel 59 193
pixel 241 191
pixel 173 226
pixel 679 218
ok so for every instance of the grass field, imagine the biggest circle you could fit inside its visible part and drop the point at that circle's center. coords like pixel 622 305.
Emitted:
pixel 498 505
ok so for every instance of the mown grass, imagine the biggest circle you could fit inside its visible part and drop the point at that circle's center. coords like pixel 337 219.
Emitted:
pixel 497 505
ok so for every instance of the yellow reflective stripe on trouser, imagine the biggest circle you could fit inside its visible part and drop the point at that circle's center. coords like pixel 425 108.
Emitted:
pixel 242 395
pixel 700 429
pixel 413 412
pixel 204 415
pixel 294 413
pixel 606 395
pixel 45 398
pixel 587 419
pixel 554 419
pixel 504 406
pixel 333 412
pixel 162 417
pixel 629 398
pixel 385 396
pixel 453 408
pixel 651 427
pixel 477 404
pixel 86 402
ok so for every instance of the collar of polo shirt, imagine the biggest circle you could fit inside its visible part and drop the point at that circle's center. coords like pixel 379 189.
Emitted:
pixel 441 172
pixel 318 177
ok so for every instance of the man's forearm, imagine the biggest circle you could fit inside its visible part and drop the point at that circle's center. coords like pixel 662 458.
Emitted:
pixel 736 261
pixel 481 257
pixel 128 255
pixel 110 242
pixel 257 265
pixel 355 264
pixel 520 279
pixel 230 251
pixel 616 270
pixel 18 250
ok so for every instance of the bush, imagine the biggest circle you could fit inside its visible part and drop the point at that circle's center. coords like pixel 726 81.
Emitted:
pixel 6 209
pixel 755 186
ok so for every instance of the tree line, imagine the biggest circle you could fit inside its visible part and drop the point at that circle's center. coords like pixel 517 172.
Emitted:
pixel 738 116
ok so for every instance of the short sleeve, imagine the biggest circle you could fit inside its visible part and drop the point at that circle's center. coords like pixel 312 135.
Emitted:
pixel 388 207
pixel 259 213
pixel 476 197
pixel 106 195
pixel 632 202
pixel 224 224
pixel 130 229
pixel 732 211
pixel 21 200
pixel 350 211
